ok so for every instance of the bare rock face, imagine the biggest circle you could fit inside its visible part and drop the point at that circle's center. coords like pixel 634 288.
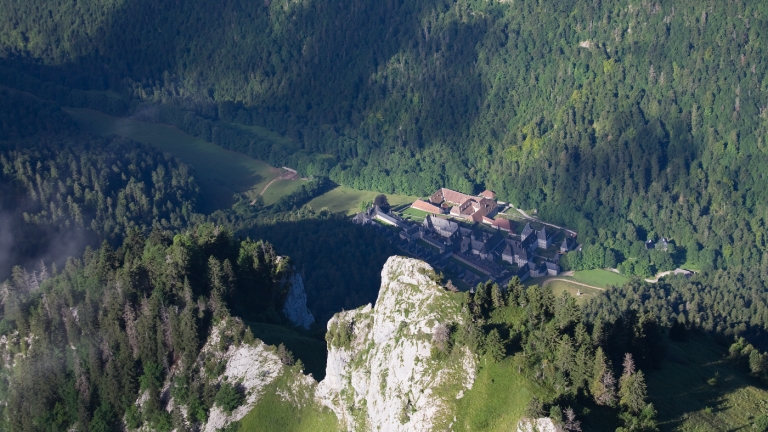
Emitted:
pixel 295 306
pixel 381 373
pixel 544 424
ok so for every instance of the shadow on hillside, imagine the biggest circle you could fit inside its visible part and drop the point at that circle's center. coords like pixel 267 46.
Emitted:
pixel 311 62
pixel 594 181
pixel 697 381
pixel 340 262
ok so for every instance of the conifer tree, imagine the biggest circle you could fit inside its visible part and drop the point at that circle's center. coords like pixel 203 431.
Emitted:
pixel 497 299
pixel 603 384
pixel 494 347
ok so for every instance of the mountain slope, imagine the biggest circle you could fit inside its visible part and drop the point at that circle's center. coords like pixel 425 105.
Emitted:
pixel 619 119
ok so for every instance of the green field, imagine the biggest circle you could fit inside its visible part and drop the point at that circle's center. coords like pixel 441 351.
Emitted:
pixel 497 399
pixel 415 214
pixel 280 188
pixel 274 413
pixel 267 135
pixel 698 389
pixel 346 200
pixel 586 294
pixel 600 278
pixel 220 172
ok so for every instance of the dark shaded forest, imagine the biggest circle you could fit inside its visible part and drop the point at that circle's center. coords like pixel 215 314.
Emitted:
pixel 63 190
pixel 612 119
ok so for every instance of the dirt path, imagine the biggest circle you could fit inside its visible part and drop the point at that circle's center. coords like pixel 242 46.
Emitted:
pixel 287 174
pixel 535 219
pixel 662 274
pixel 546 282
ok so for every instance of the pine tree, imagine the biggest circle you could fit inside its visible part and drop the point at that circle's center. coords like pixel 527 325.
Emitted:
pixel 571 424
pixel 497 299
pixel 494 347
pixel 481 294
pixel 632 388
pixel 757 362
pixel 603 384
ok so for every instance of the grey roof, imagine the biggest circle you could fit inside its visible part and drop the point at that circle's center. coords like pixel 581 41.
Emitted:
pixel 566 244
pixel 442 224
pixel 551 265
pixel 526 231
pixel 519 250
pixel 542 235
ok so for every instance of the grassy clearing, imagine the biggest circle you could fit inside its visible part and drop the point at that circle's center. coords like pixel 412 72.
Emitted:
pixel 310 350
pixel 267 135
pixel 699 390
pixel 272 413
pixel 691 266
pixel 415 214
pixel 497 399
pixel 558 287
pixel 279 189
pixel 600 278
pixel 346 200
pixel 220 172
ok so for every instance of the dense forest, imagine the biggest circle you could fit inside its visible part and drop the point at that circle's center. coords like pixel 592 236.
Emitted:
pixel 62 190
pixel 613 118
pixel 574 363
pixel 624 121
pixel 85 341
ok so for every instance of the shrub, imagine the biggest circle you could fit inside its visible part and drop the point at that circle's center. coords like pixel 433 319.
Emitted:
pixel 229 397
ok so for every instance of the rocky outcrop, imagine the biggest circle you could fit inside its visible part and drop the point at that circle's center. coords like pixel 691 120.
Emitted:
pixel 295 307
pixel 544 424
pixel 381 374
pixel 251 366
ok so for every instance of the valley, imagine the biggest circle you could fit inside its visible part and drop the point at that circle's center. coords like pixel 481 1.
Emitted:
pixel 431 215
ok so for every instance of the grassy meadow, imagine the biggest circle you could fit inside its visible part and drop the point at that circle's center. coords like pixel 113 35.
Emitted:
pixel 346 200
pixel 274 413
pixel 560 286
pixel 600 278
pixel 221 172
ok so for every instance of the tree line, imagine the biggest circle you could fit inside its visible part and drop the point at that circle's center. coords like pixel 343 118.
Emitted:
pixel 87 341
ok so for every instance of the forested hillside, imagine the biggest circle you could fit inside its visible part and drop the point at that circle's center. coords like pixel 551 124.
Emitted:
pixel 88 340
pixel 606 116
pixel 62 189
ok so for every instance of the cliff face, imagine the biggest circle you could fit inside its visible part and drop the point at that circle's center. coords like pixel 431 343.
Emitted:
pixel 295 307
pixel 381 372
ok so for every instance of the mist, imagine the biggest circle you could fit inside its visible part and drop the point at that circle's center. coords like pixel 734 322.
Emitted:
pixel 30 245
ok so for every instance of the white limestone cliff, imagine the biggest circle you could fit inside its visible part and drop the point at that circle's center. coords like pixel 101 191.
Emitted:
pixel 543 424
pixel 252 366
pixel 295 306
pixel 381 375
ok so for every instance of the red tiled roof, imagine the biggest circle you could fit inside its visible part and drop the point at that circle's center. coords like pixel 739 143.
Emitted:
pixel 487 220
pixel 488 194
pixel 503 224
pixel 425 206
pixel 453 196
